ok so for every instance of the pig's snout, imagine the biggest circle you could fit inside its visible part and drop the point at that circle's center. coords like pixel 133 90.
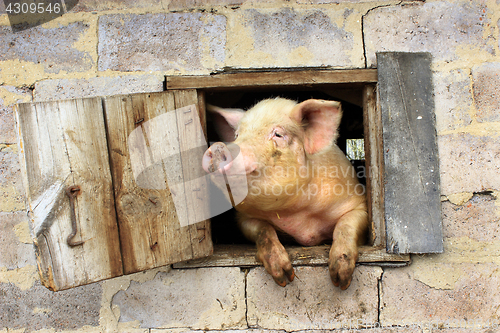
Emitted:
pixel 217 157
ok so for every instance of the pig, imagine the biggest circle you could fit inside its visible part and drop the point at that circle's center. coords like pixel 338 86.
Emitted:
pixel 299 182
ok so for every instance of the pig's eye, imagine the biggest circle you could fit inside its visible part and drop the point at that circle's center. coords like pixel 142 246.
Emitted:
pixel 278 133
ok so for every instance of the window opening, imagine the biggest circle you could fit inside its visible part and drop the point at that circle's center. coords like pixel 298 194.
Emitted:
pixel 351 136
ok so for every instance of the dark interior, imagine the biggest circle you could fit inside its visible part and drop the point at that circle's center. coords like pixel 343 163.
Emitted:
pixel 224 226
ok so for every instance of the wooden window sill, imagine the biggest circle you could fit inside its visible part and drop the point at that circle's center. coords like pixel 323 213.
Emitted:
pixel 244 256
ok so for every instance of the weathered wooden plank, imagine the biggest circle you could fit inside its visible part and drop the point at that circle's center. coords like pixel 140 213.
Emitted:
pixel 374 165
pixel 277 78
pixel 146 212
pixel 62 144
pixel 202 112
pixel 244 256
pixel 411 166
pixel 148 174
pixel 192 145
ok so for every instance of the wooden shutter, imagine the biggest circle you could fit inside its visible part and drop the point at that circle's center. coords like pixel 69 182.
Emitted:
pixel 412 202
pixel 85 142
pixel 64 144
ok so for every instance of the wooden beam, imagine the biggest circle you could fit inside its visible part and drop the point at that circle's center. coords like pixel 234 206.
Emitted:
pixel 269 79
pixel 244 256
pixel 374 165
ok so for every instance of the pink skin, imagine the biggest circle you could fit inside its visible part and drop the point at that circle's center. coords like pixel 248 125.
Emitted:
pixel 300 183
pixel 217 157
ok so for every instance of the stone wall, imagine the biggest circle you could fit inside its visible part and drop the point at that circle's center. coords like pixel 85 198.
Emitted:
pixel 123 46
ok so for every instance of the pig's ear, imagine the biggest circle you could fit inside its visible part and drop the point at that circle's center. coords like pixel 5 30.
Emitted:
pixel 226 121
pixel 321 120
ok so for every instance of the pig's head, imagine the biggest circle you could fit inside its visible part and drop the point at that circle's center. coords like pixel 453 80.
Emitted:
pixel 276 139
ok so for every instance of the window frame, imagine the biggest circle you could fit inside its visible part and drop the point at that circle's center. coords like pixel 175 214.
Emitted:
pixel 244 255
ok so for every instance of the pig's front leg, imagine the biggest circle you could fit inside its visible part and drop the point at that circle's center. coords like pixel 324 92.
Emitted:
pixel 270 251
pixel 349 233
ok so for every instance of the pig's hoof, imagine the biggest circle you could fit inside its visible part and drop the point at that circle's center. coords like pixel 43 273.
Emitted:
pixel 276 261
pixel 341 264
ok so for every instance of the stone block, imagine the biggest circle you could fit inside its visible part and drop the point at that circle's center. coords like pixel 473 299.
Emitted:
pixel 183 330
pixel 440 28
pixel 10 169
pixel 161 42
pixel 311 301
pixel 190 4
pixel 7 125
pixel 75 6
pixel 292 38
pixel 100 5
pixel 453 100
pixel 486 79
pixel 15 249
pixel 477 219
pixel 39 308
pixel 12 195
pixel 468 163
pixel 407 301
pixel 49 90
pixel 212 298
pixel 251 330
pixel 324 2
pixel 8 97
pixel 51 48
pixel 492 326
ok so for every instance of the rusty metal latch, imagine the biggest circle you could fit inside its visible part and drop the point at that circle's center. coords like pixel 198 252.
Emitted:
pixel 72 192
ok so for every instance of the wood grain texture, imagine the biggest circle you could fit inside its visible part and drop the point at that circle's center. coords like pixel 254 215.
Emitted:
pixel 276 78
pixel 374 165
pixel 192 145
pixel 411 165
pixel 244 256
pixel 146 135
pixel 63 144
